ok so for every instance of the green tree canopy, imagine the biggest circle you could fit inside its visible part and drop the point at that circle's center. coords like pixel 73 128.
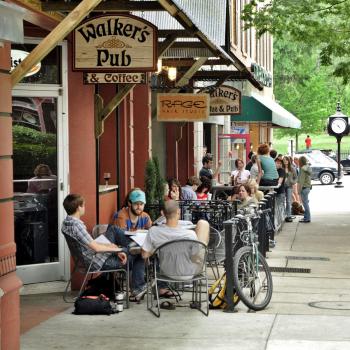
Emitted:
pixel 320 23
pixel 303 86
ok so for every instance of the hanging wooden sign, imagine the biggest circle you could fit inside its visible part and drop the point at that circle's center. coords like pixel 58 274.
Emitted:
pixel 225 100
pixel 182 107
pixel 117 43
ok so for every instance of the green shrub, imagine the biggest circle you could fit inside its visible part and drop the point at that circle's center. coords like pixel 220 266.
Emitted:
pixel 30 148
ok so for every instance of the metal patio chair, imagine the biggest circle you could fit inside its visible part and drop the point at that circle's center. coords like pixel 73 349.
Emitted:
pixel 178 261
pixel 86 267
pixel 214 257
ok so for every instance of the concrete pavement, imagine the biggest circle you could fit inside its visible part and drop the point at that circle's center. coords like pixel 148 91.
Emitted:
pixel 307 311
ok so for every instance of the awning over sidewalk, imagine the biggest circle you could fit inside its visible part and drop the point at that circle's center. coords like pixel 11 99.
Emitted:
pixel 257 108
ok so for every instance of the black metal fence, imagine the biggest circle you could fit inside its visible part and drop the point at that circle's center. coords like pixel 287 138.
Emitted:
pixel 213 211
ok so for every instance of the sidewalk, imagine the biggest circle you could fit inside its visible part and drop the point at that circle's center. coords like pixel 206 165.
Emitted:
pixel 307 311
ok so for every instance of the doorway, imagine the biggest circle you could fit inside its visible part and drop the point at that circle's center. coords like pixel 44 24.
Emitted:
pixel 39 183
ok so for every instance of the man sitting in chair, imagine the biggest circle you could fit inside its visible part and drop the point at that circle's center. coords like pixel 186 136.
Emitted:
pixel 72 226
pixel 170 231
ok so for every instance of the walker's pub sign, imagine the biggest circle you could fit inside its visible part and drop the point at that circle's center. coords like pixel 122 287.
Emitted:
pixel 182 107
pixel 225 100
pixel 115 43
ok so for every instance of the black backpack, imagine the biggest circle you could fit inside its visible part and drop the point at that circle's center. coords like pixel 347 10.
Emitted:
pixel 93 305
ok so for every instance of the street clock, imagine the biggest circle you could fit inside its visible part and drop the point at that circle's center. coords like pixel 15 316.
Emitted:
pixel 338 124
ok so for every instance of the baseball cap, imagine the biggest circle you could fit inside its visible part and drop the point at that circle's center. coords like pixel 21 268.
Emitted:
pixel 137 196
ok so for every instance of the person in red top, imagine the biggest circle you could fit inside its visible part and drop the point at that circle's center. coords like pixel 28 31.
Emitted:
pixel 202 190
pixel 308 142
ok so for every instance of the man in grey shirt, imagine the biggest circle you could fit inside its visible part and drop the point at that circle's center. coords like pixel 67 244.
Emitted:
pixel 178 262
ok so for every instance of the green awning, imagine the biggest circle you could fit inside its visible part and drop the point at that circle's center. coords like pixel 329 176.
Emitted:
pixel 257 108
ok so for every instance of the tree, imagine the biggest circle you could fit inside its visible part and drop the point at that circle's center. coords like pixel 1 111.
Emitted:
pixel 321 23
pixel 303 86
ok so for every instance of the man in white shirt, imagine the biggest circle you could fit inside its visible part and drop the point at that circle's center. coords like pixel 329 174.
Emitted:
pixel 158 235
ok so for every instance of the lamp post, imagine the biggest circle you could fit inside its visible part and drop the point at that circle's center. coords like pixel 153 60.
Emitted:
pixel 338 126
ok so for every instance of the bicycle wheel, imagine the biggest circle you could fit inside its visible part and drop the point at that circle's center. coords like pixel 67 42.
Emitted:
pixel 252 278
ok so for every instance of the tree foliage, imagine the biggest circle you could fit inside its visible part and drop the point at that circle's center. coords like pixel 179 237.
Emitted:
pixel 320 23
pixel 304 87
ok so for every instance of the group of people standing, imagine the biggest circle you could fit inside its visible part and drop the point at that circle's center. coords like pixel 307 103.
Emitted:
pixel 290 177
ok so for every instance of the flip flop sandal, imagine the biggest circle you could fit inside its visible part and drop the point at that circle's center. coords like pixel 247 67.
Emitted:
pixel 167 295
pixel 167 305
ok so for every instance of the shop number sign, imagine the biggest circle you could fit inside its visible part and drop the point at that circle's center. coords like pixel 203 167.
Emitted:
pixel 115 43
pixel 225 100
pixel 182 107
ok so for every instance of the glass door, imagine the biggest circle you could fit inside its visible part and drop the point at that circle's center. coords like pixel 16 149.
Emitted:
pixel 39 165
pixel 232 147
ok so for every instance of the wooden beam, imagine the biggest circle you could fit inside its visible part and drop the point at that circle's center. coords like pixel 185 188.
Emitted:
pixel 58 34
pixel 111 5
pixel 116 101
pixel 219 74
pixel 188 62
pixel 37 16
pixel 180 33
pixel 185 79
pixel 119 97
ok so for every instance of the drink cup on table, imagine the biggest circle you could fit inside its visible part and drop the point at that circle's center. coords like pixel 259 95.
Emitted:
pixel 106 177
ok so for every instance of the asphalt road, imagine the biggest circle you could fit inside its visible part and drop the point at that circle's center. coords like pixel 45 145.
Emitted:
pixel 329 199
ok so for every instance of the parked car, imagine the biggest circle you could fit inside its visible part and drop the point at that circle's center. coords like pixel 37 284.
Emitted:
pixel 330 153
pixel 346 165
pixel 324 168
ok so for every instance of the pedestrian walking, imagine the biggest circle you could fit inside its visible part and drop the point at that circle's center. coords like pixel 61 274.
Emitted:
pixel 304 187
pixel 291 180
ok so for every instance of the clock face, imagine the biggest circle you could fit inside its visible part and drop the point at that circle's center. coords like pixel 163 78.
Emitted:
pixel 338 125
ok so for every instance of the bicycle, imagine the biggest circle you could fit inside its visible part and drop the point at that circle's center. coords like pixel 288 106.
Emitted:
pixel 251 273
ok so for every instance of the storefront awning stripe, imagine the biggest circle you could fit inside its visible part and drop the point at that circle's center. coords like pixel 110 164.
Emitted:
pixel 257 108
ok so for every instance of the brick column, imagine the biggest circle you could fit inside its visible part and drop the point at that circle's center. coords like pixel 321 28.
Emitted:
pixel 9 282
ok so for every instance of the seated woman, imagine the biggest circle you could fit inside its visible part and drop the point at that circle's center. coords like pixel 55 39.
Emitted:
pixel 43 181
pixel 255 193
pixel 174 190
pixel 203 189
pixel 234 194
pixel 240 175
pixel 244 195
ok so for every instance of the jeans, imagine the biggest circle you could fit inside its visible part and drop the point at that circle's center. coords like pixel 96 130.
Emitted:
pixel 112 263
pixel 288 192
pixel 136 262
pixel 305 199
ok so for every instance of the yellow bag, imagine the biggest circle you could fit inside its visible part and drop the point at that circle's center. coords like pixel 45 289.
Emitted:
pixel 217 294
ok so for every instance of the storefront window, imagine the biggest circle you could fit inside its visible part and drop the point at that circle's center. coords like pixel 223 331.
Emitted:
pixel 35 181
pixel 50 66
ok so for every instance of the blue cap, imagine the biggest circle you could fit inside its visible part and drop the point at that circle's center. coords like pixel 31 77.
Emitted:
pixel 137 196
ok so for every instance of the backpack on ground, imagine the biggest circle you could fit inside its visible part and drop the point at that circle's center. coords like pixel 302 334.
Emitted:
pixel 93 305
pixel 217 294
